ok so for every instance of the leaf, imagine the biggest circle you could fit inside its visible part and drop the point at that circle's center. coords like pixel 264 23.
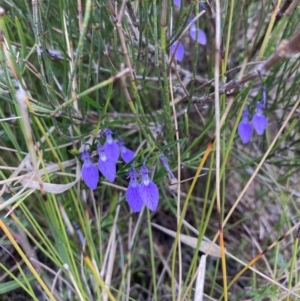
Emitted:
pixel 214 249
pixel 12 285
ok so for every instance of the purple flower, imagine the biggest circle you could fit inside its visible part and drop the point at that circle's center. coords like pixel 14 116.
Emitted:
pixel 126 153
pixel 178 51
pixel 177 2
pixel 105 164
pixel 203 6
pixel 164 161
pixel 111 147
pixel 133 192
pixel 245 128
pixel 89 172
pixel 148 190
pixel 259 120
pixel 201 34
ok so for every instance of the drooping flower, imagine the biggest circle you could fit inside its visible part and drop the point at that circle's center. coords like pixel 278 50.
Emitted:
pixel 126 153
pixel 259 120
pixel 203 5
pixel 177 2
pixel 106 165
pixel 164 161
pixel 245 128
pixel 133 192
pixel 201 34
pixel 178 51
pixel 89 172
pixel 148 190
pixel 112 150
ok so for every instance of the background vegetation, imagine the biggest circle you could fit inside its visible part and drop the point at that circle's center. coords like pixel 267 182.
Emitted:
pixel 71 68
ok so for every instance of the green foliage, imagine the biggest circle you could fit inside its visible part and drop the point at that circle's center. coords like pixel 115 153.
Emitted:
pixel 83 69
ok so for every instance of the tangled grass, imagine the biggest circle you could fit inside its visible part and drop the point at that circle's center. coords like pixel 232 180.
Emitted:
pixel 226 226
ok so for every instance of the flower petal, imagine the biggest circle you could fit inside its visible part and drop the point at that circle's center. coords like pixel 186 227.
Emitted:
pixel 245 130
pixel 201 35
pixel 133 198
pixel 111 147
pixel 126 154
pixel 106 166
pixel 90 174
pixel 150 195
pixel 85 155
pixel 260 123
pixel 112 151
pixel 177 2
pixel 179 54
pixel 108 169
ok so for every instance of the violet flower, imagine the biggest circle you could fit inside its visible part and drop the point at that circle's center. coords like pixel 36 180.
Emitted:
pixel 203 5
pixel 179 52
pixel 111 147
pixel 148 190
pixel 259 120
pixel 201 34
pixel 177 3
pixel 245 128
pixel 126 153
pixel 89 171
pixel 133 192
pixel 106 165
pixel 164 161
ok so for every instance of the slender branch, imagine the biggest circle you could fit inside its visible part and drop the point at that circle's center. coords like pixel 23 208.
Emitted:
pixel 286 9
pixel 286 49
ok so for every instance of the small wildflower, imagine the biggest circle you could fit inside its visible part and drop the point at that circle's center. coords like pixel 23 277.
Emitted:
pixel 259 120
pixel 133 192
pixel 203 5
pixel 201 34
pixel 106 165
pixel 111 147
pixel 126 153
pixel 178 51
pixel 177 3
pixel 148 190
pixel 89 172
pixel 245 128
pixel 164 161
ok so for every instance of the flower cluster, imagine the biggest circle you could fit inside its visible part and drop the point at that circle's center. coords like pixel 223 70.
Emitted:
pixel 177 48
pixel 109 154
pixel 259 122
pixel 137 194
pixel 144 193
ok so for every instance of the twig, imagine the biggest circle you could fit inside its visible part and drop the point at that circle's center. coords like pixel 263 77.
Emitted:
pixel 286 49
pixel 286 9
